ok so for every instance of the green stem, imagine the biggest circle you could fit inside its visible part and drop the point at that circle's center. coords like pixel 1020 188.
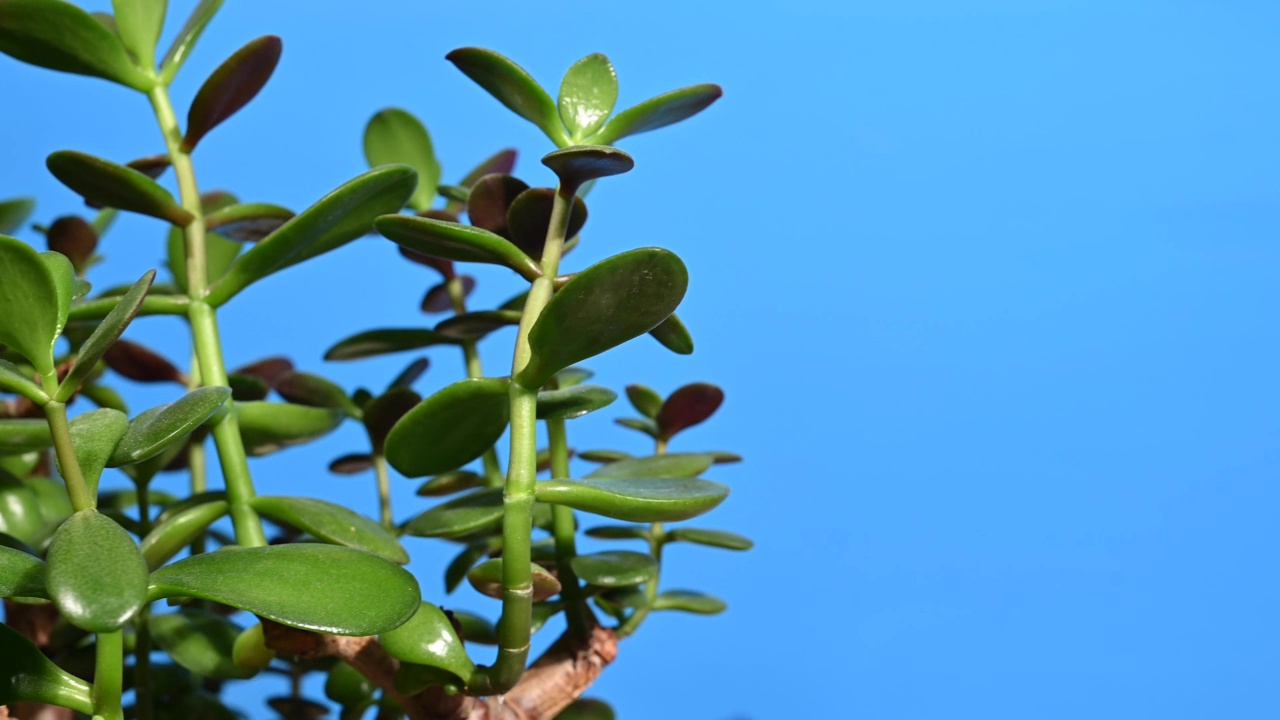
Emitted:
pixel 514 627
pixel 142 625
pixel 108 676
pixel 384 490
pixel 565 533
pixel 82 498
pixel 151 305
pixel 656 541
pixel 204 328
pixel 197 462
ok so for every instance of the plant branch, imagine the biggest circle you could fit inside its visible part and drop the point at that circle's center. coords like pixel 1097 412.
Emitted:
pixel 565 533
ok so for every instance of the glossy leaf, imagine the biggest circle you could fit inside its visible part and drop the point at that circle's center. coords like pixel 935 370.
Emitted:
pixel 94 435
pixel 588 92
pixel 13 212
pixel 21 435
pixel 27 675
pixel 141 364
pixel 139 23
pixel 449 483
pixel 338 218
pixel 384 341
pixel 60 36
pixel 491 196
pixel 529 217
pixel 156 429
pixel 332 523
pixel 453 241
pixel 270 426
pixel 476 325
pixel 200 641
pixel 295 585
pixel 658 112
pixel 602 307
pixel 411 679
pixel 113 185
pixel 474 512
pixel 428 638
pixel 615 568
pixel 711 538
pixel 578 165
pixel 486 578
pixel 97 577
pixel 573 402
pixel 312 390
pixel 396 136
pixel 673 335
pixel 74 237
pixel 186 39
pixel 30 297
pixel 249 222
pixel 449 428
pixel 66 286
pixel 672 465
pixel 587 709
pixel 690 602
pixel 438 299
pixel 636 500
pixel 513 87
pixel 645 400
pixel 687 407
pixel 231 86
pixel 179 529
pixel 383 412
pixel 106 334
pixel 21 574
pixel 351 464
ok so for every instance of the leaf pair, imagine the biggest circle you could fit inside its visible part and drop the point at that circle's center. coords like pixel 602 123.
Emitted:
pixel 686 407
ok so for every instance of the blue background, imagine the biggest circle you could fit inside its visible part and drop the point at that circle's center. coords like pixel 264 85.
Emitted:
pixel 990 287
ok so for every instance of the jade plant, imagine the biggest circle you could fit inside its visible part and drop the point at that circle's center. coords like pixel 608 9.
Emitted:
pixel 125 601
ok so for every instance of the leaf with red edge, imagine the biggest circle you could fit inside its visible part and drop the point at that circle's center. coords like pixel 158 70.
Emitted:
pixel 687 407
pixel 236 81
pixel 74 237
pixel 438 300
pixel 141 364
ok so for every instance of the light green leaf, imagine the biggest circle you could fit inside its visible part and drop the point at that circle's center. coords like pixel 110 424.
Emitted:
pixel 94 435
pixel 14 380
pixel 636 500
pixel 13 212
pixel 179 529
pixel 615 568
pixel 22 435
pixel 60 36
pixel 111 327
pixel 588 92
pixel 21 574
pixel 672 465
pixel 690 602
pixel 186 39
pixel 97 576
pixel 139 23
pixel 428 638
pixel 710 538
pixel 573 402
pixel 156 429
pixel 486 578
pixel 270 426
pixel 29 304
pixel 332 523
pixel 396 136
pixel 644 399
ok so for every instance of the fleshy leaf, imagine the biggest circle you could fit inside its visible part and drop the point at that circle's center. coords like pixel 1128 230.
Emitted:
pixel 530 215
pixel 644 399
pixel 29 296
pixel 97 576
pixel 578 165
pixel 571 376
pixel 60 36
pixel 428 638
pixel 476 325
pixel 200 641
pixel 315 391
pixel 671 465
pixel 387 340
pixel 107 332
pixel 688 406
pixel 475 629
pixel 615 568
pixel 573 402
pixel 186 39
pixel 347 687
pixel 22 435
pixel 113 185
pixel 449 483
pixel 13 212
pixel 588 92
pixel 231 86
pixel 141 364
pixel 410 374
pixel 396 136
pixel 295 585
pixel 338 218
pixel 601 307
pixel 27 675
pixel 491 196
pixel 501 163
pixel 247 221
pixel 74 237
pixel 438 299
pixel 21 574
pixel 513 87
pixel 711 538
pixel 603 456
pixel 473 553
pixel 139 23
pixel 658 112
pixel 486 578
pixel 332 523
pixel 619 532
pixel 461 516
pixel 270 426
pixel 383 412
pixel 156 429
pixel 351 464
pixel 673 335
pixel 636 500
pixel 449 428
pixel 95 435
pixel 454 241
pixel 180 528
pixel 690 602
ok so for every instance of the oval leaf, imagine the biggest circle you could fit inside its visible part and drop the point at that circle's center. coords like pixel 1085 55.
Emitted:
pixel 21 575
pixel 396 136
pixel 636 500
pixel 186 39
pixel 267 427
pixel 332 523
pixel 459 517
pixel 672 465
pixel 180 529
pixel 644 399
pixel 388 340
pixel 573 402
pixel 74 237
pixel 94 435
pixel 513 87
pixel 450 483
pixel 454 241
pixel 530 216
pixel 30 298
pixel 27 675
pixel 200 641
pixel 711 538
pixel 601 307
pixel 476 325
pixel 690 602
pixel 249 222
pixel 659 112
pixel 97 576
pixel 107 332
pixel 295 585
pixel 13 212
pixel 139 23
pixel 236 81
pixel 351 464
pixel 491 196
pixel 156 429
pixel 486 578
pixel 113 185
pixel 616 568
pixel 314 391
pixel 588 92
pixel 347 687
pixel 673 335
pixel 383 412
pixel 450 428
pixel 687 407
pixel 60 36
pixel 580 164
pixel 141 364
pixel 428 638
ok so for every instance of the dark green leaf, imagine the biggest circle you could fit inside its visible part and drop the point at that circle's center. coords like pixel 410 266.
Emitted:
pixel 247 221
pixel 476 325
pixel 450 428
pixel 673 335
pixel 573 402
pixel 332 523
pixel 687 407
pixel 428 638
pixel 312 390
pixel 20 435
pixel 139 23
pixel 97 576
pixel 673 465
pixel 21 575
pixel 602 307
pixel 186 39
pixel 231 86
pixel 107 332
pixel 74 237
pixel 200 641
pixel 658 112
pixel 396 136
pixel 26 675
pixel 644 399
pixel 636 500
pixel 351 464
pixel 486 578
pixel 513 87
pixel 60 36
pixel 450 483
pixel 712 538
pixel 295 585
pixel 338 218
pixel 475 629
pixel 491 196
pixel 13 212
pixel 454 241
pixel 410 374
pixel 587 709
pixel 95 435
pixel 141 364
pixel 114 185
pixel 247 388
pixel 347 687
pixel 383 341
pixel 383 412
pixel 269 426
pixel 471 513
pixel 603 456
pixel 530 216
pixel 616 568
pixel 462 563
pixel 180 528
pixel 619 532
pixel 689 601
pixel 588 92
pixel 29 295
pixel 155 429
pixel 581 164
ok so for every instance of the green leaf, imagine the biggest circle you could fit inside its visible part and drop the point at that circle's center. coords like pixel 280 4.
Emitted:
pixel 156 429
pixel 578 165
pixel 636 500
pixel 711 538
pixel 180 529
pixel 296 585
pixel 603 456
pixel 247 221
pixel 486 578
pixel 332 523
pixel 347 687
pixel 673 335
pixel 314 391
pixel 113 185
pixel 13 380
pixel 27 675
pixel 587 709
pixel 231 86
pixel 475 629
pixel 690 602
pixel 199 641
pixel 371 343
pixel 65 284
pixel 60 36
pixel 658 112
pixel 13 212
pixel 619 532
pixel 338 218
pixel 462 563
pixel 454 241
pixel 601 307
pixel 615 568
pixel 471 513
pixel 688 406
pixel 107 332
pixel 21 435
pixel 21 575
pixel 411 679
pixel 351 464
pixel 573 402
pixel 513 87
pixel 450 428
pixel 250 651
pixel 396 136
pixel 644 399
pixel 94 435
pixel 97 576
pixel 671 465
pixel 139 23
pixel 476 325
pixel 29 295
pixel 588 92
pixel 267 427
pixel 428 638
pixel 187 38
pixel 451 482
pixel 571 376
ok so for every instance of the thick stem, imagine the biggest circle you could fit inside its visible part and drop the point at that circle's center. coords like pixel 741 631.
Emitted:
pixel 108 676
pixel 576 610
pixel 384 490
